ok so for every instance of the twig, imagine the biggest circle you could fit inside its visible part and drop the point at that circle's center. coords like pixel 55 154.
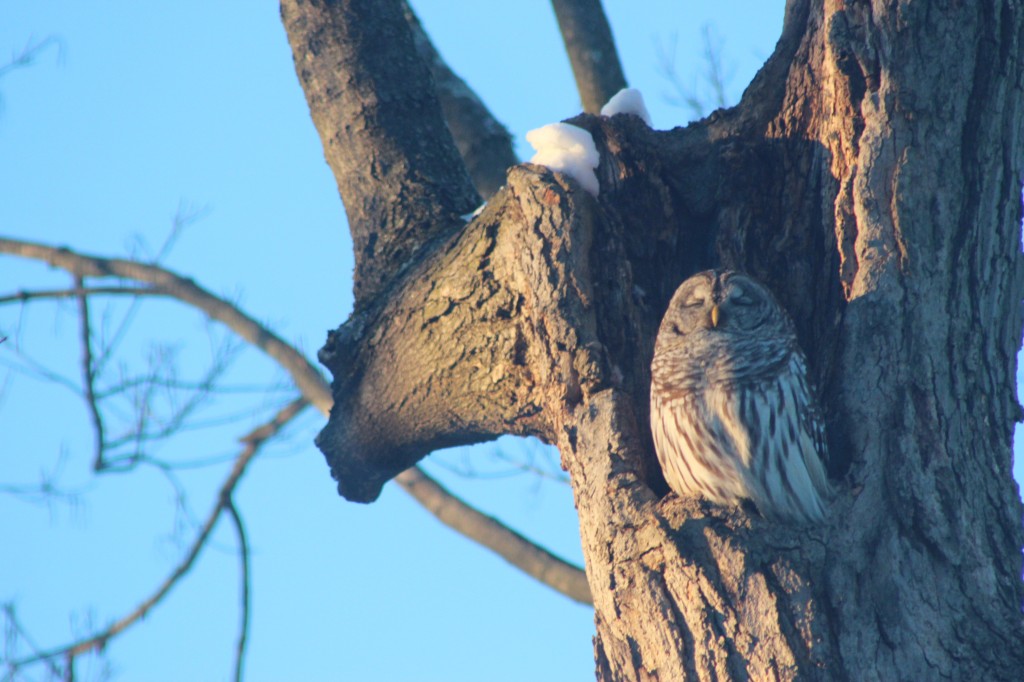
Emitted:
pixel 16 631
pixel 181 220
pixel 715 74
pixel 181 385
pixel 243 556
pixel 178 419
pixel 25 296
pixel 29 53
pixel 88 376
pixel 184 217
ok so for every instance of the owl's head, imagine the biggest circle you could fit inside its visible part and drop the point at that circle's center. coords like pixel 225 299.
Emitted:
pixel 723 302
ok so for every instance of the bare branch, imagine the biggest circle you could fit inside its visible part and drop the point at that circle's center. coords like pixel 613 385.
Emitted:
pixel 31 367
pixel 182 385
pixel 184 217
pixel 715 76
pixel 46 491
pixel 26 296
pixel 28 54
pixel 591 49
pixel 13 632
pixel 88 376
pixel 178 418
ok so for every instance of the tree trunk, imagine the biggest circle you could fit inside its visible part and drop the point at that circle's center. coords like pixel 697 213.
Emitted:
pixel 871 176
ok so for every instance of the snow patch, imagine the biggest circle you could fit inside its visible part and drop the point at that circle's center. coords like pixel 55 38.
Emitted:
pixel 468 217
pixel 627 101
pixel 567 149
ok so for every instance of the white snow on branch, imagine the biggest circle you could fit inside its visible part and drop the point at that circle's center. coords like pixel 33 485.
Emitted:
pixel 568 149
pixel 468 217
pixel 627 101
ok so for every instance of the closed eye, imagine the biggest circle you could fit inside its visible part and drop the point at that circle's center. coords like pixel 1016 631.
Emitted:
pixel 693 302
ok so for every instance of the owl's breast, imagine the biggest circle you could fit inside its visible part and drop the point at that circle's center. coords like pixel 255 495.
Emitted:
pixel 714 359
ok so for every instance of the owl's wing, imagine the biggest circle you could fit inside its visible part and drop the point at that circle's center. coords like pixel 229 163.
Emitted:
pixel 810 413
pixel 785 449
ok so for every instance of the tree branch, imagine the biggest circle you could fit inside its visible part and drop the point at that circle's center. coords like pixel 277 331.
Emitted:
pixel 591 49
pixel 481 529
pixel 373 102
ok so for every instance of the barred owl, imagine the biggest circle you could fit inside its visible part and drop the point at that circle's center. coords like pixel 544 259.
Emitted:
pixel 731 411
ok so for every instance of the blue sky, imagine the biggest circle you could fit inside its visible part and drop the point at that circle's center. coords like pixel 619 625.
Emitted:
pixel 139 111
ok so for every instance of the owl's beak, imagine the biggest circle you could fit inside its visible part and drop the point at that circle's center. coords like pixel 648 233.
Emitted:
pixel 714 315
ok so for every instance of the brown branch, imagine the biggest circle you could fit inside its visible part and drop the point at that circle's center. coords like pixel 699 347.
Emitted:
pixel 591 49
pixel 253 442
pixel 306 377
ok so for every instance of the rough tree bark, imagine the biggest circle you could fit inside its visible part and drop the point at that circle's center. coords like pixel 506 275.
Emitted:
pixel 872 177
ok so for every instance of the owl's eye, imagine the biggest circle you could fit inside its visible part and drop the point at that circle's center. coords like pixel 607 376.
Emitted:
pixel 693 302
pixel 740 296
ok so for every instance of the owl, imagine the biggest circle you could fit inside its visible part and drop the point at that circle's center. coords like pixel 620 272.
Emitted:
pixel 732 414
